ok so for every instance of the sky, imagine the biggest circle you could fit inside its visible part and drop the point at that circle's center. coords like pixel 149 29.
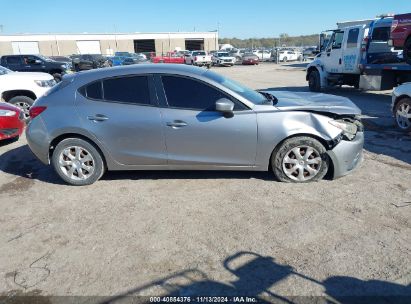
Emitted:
pixel 237 18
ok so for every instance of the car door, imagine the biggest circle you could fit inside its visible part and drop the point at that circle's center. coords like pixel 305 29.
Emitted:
pixel 196 134
pixel 122 113
pixel 352 51
pixel 33 64
pixel 333 55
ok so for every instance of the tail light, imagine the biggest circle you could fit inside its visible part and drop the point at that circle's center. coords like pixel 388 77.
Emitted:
pixel 394 25
pixel 36 111
pixel 195 58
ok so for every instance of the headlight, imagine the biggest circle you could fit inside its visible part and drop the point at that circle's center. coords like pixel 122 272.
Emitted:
pixel 349 129
pixel 45 83
pixel 7 113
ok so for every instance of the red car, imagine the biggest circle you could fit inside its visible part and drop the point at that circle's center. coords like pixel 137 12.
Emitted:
pixel 250 59
pixel 11 121
pixel 401 34
pixel 171 57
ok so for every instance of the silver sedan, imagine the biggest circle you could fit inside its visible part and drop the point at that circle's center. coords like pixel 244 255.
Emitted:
pixel 175 117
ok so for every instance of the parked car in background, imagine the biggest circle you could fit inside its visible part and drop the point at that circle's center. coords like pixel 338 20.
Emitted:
pixel 36 63
pixel 263 55
pixel 116 60
pixel 138 58
pixel 310 53
pixel 129 61
pixel 401 34
pixel 170 57
pixel 63 59
pixel 223 59
pixel 11 121
pixel 401 106
pixel 22 89
pixel 188 118
pixel 89 61
pixel 250 59
pixel 237 54
pixel 285 56
pixel 198 58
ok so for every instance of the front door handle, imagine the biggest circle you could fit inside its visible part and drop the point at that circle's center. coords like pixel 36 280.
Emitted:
pixel 177 124
pixel 97 118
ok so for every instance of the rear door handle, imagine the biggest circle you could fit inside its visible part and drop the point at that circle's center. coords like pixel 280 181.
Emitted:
pixel 97 117
pixel 177 124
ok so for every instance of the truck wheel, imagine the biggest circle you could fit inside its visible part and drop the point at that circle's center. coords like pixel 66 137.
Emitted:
pixel 407 51
pixel 314 82
pixel 285 59
pixel 402 113
pixel 24 103
pixel 299 160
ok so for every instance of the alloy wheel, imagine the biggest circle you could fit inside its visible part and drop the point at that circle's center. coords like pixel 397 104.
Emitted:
pixel 25 107
pixel 403 116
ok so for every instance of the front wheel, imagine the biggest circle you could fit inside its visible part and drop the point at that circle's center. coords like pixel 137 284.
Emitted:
pixel 285 59
pixel 299 160
pixel 57 77
pixel 314 82
pixel 77 162
pixel 402 113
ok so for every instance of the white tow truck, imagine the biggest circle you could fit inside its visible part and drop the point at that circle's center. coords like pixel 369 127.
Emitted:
pixel 358 54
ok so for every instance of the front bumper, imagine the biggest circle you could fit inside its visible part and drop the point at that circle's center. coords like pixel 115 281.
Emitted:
pixel 347 155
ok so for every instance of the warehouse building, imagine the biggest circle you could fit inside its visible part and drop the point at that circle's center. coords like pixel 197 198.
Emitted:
pixel 106 44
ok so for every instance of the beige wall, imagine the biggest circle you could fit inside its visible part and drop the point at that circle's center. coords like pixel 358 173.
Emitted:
pixel 5 48
pixel 68 47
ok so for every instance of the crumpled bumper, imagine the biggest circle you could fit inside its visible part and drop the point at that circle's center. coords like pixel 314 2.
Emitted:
pixel 347 155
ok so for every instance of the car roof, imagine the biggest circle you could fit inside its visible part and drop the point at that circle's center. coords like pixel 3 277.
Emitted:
pixel 167 68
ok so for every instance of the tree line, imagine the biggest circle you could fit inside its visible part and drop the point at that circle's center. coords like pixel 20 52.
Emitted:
pixel 282 40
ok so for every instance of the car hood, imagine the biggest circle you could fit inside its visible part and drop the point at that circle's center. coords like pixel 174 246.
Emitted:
pixel 33 75
pixel 291 101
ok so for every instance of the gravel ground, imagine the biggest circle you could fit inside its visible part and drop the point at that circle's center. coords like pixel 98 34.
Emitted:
pixel 214 233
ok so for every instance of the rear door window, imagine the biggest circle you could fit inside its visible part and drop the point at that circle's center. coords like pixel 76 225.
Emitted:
pixel 14 60
pixel 130 89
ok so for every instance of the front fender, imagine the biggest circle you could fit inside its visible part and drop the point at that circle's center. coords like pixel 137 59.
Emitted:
pixel 275 127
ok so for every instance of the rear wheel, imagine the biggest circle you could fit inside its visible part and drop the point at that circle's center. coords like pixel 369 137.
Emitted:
pixel 299 160
pixel 77 162
pixel 314 82
pixel 407 51
pixel 24 103
pixel 402 113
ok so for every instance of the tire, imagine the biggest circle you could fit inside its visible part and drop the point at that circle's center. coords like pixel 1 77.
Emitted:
pixel 285 59
pixel 407 51
pixel 94 161
pixel 314 82
pixel 24 103
pixel 291 156
pixel 57 77
pixel 401 111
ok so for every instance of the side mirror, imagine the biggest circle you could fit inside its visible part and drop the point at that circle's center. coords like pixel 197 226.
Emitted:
pixel 225 106
pixel 37 61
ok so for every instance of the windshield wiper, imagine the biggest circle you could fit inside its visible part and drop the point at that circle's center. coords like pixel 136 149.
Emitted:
pixel 270 97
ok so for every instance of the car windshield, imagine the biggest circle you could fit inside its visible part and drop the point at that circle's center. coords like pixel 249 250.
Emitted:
pixel 199 53
pixel 249 94
pixel 223 55
pixel 4 71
